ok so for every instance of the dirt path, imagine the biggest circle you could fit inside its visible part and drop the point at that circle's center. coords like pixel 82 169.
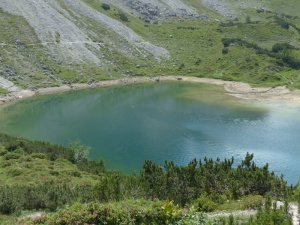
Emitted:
pixel 234 213
pixel 294 211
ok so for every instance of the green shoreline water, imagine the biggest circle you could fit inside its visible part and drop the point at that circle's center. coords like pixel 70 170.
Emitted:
pixel 163 121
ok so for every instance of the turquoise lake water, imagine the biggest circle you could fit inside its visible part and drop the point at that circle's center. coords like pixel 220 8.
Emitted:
pixel 176 121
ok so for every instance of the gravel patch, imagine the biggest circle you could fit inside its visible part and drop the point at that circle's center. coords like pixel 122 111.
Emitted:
pixel 220 6
pixel 156 9
pixel 49 20
pixel 118 28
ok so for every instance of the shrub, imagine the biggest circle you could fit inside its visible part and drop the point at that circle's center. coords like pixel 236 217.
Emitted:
pixel 81 152
pixel 225 51
pixel 123 17
pixel 181 66
pixel 38 155
pixel 228 24
pixel 127 212
pixel 76 173
pixel 205 204
pixel 52 151
pixel 3 152
pixel 197 62
pixel 27 158
pixel 14 199
pixel 292 62
pixel 19 150
pixel 105 6
pixel 11 155
pixel 248 19
pixel 278 47
pixel 253 201
pixel 282 22
pixel 54 173
pixel 13 172
pixel 92 167
pixel 260 10
pixel 226 42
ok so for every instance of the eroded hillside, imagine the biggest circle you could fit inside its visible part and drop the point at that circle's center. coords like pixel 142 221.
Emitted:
pixel 49 43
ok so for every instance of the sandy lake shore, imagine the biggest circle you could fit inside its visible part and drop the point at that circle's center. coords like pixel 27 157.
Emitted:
pixel 237 89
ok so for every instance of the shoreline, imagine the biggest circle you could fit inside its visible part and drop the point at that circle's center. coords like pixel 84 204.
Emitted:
pixel 240 90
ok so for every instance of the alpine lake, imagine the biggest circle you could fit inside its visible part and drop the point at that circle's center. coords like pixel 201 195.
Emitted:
pixel 174 121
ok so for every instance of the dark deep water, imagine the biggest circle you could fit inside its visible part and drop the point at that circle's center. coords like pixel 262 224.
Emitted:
pixel 163 121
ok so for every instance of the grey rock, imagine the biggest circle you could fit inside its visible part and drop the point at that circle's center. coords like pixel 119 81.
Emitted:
pixel 45 67
pixel 204 16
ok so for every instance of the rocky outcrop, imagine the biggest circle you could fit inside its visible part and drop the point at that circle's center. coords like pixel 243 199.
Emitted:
pixel 118 28
pixel 7 85
pixel 158 9
pixel 57 29
pixel 219 6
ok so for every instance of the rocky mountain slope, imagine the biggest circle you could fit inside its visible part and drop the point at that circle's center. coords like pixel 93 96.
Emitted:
pixel 52 42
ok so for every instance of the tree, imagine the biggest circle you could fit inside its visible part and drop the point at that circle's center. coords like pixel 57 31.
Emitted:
pixel 81 152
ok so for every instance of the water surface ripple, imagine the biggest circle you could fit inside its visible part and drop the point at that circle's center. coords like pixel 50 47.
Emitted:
pixel 164 121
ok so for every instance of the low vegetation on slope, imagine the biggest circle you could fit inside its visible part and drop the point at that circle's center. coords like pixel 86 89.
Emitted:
pixel 122 42
pixel 40 176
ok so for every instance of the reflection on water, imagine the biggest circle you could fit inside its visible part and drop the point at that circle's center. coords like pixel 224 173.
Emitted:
pixel 166 121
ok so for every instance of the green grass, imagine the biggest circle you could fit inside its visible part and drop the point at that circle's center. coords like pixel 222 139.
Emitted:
pixel 3 91
pixel 247 202
pixel 30 170
pixel 8 219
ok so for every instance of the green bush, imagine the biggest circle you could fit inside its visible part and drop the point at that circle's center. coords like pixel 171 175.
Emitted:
pixel 27 158
pixel 127 212
pixel 13 172
pixel 11 155
pixel 105 6
pixel 205 204
pixel 19 150
pixel 282 22
pixel 123 17
pixel 38 156
pixel 52 151
pixel 54 173
pixel 3 152
pixel 75 173
pixel 225 51
pixel 253 201
pixel 279 47
pixel 248 19
pixel 14 199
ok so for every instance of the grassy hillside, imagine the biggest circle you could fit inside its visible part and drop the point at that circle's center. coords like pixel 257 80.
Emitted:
pixel 195 45
pixel 65 186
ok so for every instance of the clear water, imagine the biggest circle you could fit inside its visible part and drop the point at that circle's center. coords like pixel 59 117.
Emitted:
pixel 164 121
